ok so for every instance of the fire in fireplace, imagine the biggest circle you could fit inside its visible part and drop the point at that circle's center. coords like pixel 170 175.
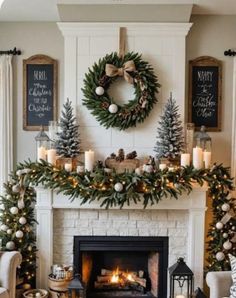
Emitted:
pixel 122 266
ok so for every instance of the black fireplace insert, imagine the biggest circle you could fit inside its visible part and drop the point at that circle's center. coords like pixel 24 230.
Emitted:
pixel 117 266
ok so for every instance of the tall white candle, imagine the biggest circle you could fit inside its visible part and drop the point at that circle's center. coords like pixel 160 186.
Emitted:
pixel 89 160
pixel 207 159
pixel 68 167
pixel 42 153
pixel 185 159
pixel 52 154
pixel 197 158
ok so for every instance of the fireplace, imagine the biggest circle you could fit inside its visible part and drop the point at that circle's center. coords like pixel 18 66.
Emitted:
pixel 115 266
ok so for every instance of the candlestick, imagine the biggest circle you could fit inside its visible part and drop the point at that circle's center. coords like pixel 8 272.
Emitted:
pixel 89 160
pixel 68 167
pixel 52 154
pixel 42 153
pixel 185 159
pixel 162 166
pixel 207 159
pixel 197 158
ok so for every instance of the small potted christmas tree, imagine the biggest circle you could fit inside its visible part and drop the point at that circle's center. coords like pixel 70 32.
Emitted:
pixel 170 140
pixel 68 143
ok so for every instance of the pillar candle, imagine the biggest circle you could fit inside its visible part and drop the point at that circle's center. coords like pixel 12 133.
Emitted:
pixel 162 166
pixel 207 159
pixel 42 153
pixel 89 160
pixel 197 158
pixel 68 167
pixel 52 154
pixel 185 159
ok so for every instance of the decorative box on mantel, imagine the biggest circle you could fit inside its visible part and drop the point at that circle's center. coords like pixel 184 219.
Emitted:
pixel 194 204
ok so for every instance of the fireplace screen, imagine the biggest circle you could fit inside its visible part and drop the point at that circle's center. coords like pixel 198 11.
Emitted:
pixel 122 266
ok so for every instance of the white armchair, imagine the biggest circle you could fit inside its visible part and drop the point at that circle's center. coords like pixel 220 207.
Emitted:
pixel 8 265
pixel 219 283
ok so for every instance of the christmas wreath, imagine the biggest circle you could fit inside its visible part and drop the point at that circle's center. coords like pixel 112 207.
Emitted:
pixel 99 79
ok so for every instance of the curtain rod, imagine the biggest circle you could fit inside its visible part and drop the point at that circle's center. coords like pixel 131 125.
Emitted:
pixel 11 52
pixel 230 53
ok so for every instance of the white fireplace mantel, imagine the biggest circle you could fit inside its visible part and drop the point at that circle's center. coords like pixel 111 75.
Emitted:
pixel 194 203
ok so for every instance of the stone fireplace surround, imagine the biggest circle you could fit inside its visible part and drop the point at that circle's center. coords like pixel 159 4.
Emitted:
pixel 59 220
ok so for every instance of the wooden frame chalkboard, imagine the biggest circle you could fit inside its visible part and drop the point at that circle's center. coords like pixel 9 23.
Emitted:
pixel 205 88
pixel 39 91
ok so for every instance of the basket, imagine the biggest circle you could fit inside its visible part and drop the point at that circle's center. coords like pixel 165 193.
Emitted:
pixel 60 285
pixel 122 166
pixel 37 293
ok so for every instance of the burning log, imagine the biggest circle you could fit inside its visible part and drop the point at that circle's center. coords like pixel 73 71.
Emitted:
pixel 106 272
pixel 104 278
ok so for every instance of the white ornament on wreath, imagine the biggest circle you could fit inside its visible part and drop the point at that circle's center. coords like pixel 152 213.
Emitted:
pixel 225 207
pixel 113 108
pixel 9 231
pixel 225 235
pixel 118 187
pixel 219 225
pixel 227 245
pixel 4 228
pixel 220 256
pixel 19 234
pixel 22 220
pixel 14 210
pixel 10 245
pixel 99 90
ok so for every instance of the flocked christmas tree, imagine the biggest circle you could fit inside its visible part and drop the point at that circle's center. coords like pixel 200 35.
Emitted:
pixel 68 142
pixel 170 140
pixel 17 229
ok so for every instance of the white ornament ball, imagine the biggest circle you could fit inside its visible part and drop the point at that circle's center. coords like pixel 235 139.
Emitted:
pixel 2 207
pixel 225 235
pixel 16 188
pixel 19 234
pixel 220 256
pixel 9 231
pixel 99 90
pixel 113 108
pixel 118 187
pixel 227 245
pixel 8 197
pixel 4 228
pixel 22 220
pixel 14 210
pixel 10 245
pixel 219 225
pixel 225 207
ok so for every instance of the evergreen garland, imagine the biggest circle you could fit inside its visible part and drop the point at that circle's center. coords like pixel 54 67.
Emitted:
pixel 17 230
pixel 145 85
pixel 170 140
pixel 68 142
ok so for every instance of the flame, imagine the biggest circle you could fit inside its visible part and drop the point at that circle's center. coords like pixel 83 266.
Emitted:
pixel 115 276
pixel 130 277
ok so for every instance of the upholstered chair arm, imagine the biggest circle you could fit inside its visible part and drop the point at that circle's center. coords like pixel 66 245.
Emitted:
pixel 9 261
pixel 219 283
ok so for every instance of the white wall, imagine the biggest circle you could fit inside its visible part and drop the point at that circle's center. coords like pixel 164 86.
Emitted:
pixel 31 39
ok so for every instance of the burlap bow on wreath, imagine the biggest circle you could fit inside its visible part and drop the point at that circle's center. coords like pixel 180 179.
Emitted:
pixel 113 71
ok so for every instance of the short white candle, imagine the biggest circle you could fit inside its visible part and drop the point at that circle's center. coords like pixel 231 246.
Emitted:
pixel 80 169
pixel 89 160
pixel 68 167
pixel 52 155
pixel 197 158
pixel 42 153
pixel 162 166
pixel 207 159
pixel 185 160
pixel 180 296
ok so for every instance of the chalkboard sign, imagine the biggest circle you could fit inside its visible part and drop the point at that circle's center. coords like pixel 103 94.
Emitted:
pixel 205 93
pixel 40 91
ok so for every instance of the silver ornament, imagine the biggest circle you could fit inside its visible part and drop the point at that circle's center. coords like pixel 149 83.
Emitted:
pixel 99 90
pixel 22 220
pixel 10 245
pixel 113 108
pixel 220 256
pixel 227 245
pixel 19 234
pixel 9 231
pixel 118 187
pixel 14 210
pixel 225 207
pixel 219 225
pixel 4 228
pixel 225 235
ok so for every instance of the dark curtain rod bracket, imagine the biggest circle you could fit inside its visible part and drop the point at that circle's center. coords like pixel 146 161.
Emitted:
pixel 11 52
pixel 230 53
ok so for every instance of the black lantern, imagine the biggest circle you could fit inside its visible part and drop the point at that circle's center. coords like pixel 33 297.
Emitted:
pixel 181 280
pixel 76 289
